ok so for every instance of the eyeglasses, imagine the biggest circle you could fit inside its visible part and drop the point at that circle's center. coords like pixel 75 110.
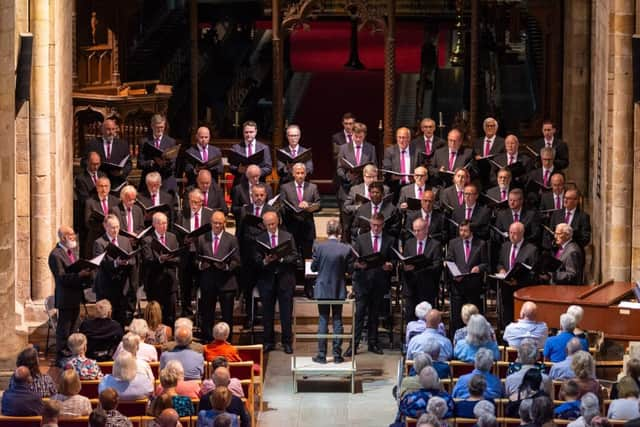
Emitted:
pixel 419 175
pixel 470 194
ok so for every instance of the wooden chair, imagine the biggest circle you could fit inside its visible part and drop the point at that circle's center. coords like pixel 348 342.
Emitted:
pixel 133 408
pixel 511 354
pixel 188 421
pixel 255 352
pixel 501 368
pixel 509 422
pixel 73 422
pixel 90 388
pixel 447 384
pixel 241 370
pixel 501 404
pixel 155 368
pixel 408 364
pixel 561 421
pixel 410 422
pixel 6 421
pixel 106 367
pixel 459 368
pixel 158 349
pixel 555 389
pixel 464 422
pixel 249 399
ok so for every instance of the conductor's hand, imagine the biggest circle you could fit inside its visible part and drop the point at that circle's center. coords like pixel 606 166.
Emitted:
pixel 475 269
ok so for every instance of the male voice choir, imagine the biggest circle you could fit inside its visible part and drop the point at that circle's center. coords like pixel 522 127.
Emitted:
pixel 430 210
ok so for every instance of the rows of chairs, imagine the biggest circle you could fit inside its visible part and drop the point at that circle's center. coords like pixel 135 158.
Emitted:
pixel 136 421
pixel 502 422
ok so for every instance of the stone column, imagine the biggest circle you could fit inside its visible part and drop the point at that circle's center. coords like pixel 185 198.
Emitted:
pixel 635 244
pixel 389 73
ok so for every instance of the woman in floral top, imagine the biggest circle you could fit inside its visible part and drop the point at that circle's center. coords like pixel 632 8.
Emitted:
pixel 42 384
pixel 158 332
pixel 87 369
pixel 182 404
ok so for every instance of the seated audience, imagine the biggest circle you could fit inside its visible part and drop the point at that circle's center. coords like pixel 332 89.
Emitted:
pixel 428 420
pixel 484 407
pixel 625 407
pixel 418 326
pixel 190 388
pixel 589 409
pixel 192 361
pixel 220 346
pixel 479 333
pixel 631 369
pixel 526 327
pixel 186 323
pixel 221 378
pixel 542 411
pixel 585 369
pixel 415 403
pixel 103 333
pixel 168 418
pixel 86 368
pixel 578 312
pixel 475 388
pixel 466 312
pixel 109 403
pixel 146 352
pixel 125 379
pixel 19 400
pixel 562 370
pixel 482 366
pixel 169 382
pixel 98 418
pixel 235 386
pixel 41 384
pixel 158 333
pixel 157 406
pixel 527 356
pixel 570 408
pixel 131 344
pixel 529 388
pixel 219 399
pixel 50 413
pixel 431 334
pixel 524 411
pixel 72 404
pixel 487 420
pixel 555 347
pixel 411 382
pixel 432 348
pixel 437 407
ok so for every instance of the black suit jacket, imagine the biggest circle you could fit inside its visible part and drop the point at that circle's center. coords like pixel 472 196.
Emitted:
pixel 391 220
pixel 165 199
pixel 300 225
pixel 480 218
pixel 429 275
pixel 347 151
pixel 69 286
pixel 502 159
pixel 247 234
pixel 418 145
pixel 265 165
pixel 527 254
pixel 119 150
pixel 284 174
pixel 240 197
pixel 112 281
pixel 283 269
pixel 391 160
pixel 409 191
pixel 84 186
pixel 571 271
pixel 441 159
pixel 190 169
pixel 478 257
pixel 350 206
pixel 581 224
pixel 496 148
pixel 548 201
pixel 222 278
pixel 94 229
pixel 373 280
pixel 215 198
pixel 562 152
pixel 184 220
pixel 147 164
pixel 529 218
pixel 136 211
pixel 160 275
pixel 438 229
pixel 449 196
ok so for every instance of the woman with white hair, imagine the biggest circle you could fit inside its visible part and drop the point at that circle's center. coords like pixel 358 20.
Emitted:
pixel 129 384
pixel 483 365
pixel 583 365
pixel 479 333
pixel 437 407
pixel 577 312
pixel 466 312
pixel 555 347
pixel 131 344
pixel 87 369
pixel 589 409
pixel 146 352
pixel 415 403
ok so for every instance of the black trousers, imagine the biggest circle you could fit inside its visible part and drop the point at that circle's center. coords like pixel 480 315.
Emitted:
pixel 323 327
pixel 68 319
pixel 467 291
pixel 270 292
pixel 188 277
pixel 415 291
pixel 368 305
pixel 209 295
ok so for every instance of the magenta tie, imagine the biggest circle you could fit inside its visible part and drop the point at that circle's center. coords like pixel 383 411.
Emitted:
pixel 114 241
pixel 503 195
pixel 558 205
pixel 510 159
pixel 548 143
pixel 567 218
pixel 358 154
pixel 206 198
pixel 419 193
pixel 216 242
pixel 257 211
pixel 153 199
pixel 108 150
pixel 274 242
pixel 294 152
pixel 427 222
pixel 375 209
pixel 94 178
pixel 129 221
pixel 420 248
pixel 514 254
pixel 158 143
pixel 559 252
pixel 349 138
pixel 249 150
pixel 460 199
pixel 516 217
pixel 299 193
pixel 487 147
pixel 162 240
pixel 196 221
pixel 105 208
pixel 375 243
pixel 71 256
pixel 452 159
pixel 467 250
pixel 205 155
pixel 427 146
pixel 546 178
pixel 468 215
pixel 403 169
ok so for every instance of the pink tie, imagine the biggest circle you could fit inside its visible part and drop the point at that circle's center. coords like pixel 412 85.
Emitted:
pixel 452 159
pixel 129 221
pixel 206 199
pixel 216 242
pixel 468 215
pixel 420 248
pixel 257 211
pixel 467 250
pixel 196 221
pixel 548 143
pixel 249 150
pixel 503 195
pixel 358 154
pixel 153 199
pixel 375 209
pixel 162 240
pixel 514 254
pixel 294 152
pixel 94 178
pixel 559 252
pixel 375 243
pixel 71 256
pixel 567 218
pixel 487 147
pixel 402 167
pixel 274 242
pixel 114 241
pixel 205 154
pixel 460 199
pixel 516 217
pixel 299 193
pixel 510 158
pixel 158 143
pixel 108 150
pixel 349 138
pixel 427 222
pixel 427 146
pixel 105 208
pixel 546 178
pixel 419 193
pixel 558 206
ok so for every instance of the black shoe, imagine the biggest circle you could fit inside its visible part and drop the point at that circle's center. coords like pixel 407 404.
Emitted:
pixel 350 351
pixel 338 359
pixel 287 348
pixel 319 359
pixel 268 347
pixel 373 348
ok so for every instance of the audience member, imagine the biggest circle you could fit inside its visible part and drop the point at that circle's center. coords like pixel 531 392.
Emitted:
pixel 86 368
pixel 19 400
pixel 235 386
pixel 432 348
pixel 103 333
pixel 625 407
pixel 529 388
pixel 72 403
pixel 109 403
pixel 437 407
pixel 221 378
pixel 223 420
pixel 542 411
pixel 168 418
pixel 220 346
pixel 146 352
pixel 415 403
pixel 482 366
pixel 475 389
pixel 570 408
pixel 131 344
pixel 159 333
pixel 466 312
pixel 562 370
pixel 527 356
pixel 169 382
pixel 184 322
pixel 431 334
pixel 418 326
pixel 428 420
pixel 411 383
pixel 220 399
pixel 589 409
pixel 487 420
pixel 98 418
pixel 157 406
pixel 189 388
pixel 585 369
pixel 524 412
pixel 40 383
pixel 125 379
pixel 192 361
pixel 555 347
pixel 50 413
pixel 484 407
pixel 526 327
pixel 577 312
pixel 479 333
pixel 631 369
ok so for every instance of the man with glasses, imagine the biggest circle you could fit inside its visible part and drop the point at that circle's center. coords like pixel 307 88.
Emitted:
pixel 488 145
pixel 427 142
pixel 351 203
pixel 479 216
pixel 448 159
pixel 518 213
pixel 293 149
pixel 399 158
pixel 571 270
pixel 453 196
pixel 571 214
pixel 415 190
pixel 435 223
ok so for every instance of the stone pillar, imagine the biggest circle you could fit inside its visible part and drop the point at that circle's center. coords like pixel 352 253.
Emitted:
pixel 635 244
pixel 389 73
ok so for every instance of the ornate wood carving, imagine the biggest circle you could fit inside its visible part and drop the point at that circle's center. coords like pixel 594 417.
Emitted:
pixel 297 14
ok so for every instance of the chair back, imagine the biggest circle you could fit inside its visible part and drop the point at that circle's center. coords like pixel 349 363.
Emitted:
pixel 7 421
pixel 241 370
pixel 106 367
pixel 90 388
pixel 73 422
pixel 459 368
pixel 133 408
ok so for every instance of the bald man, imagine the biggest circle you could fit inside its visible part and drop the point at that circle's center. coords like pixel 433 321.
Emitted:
pixel 526 327
pixel 242 193
pixel 112 150
pixel 217 280
pixel 69 286
pixel 84 184
pixel 204 152
pixel 168 418
pixel 451 157
pixel 213 195
pixel 19 400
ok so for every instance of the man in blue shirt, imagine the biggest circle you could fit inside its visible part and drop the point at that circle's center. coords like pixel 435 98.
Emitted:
pixel 419 342
pixel 18 400
pixel 562 370
pixel 483 363
pixel 526 327
pixel 555 347
pixel 192 361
